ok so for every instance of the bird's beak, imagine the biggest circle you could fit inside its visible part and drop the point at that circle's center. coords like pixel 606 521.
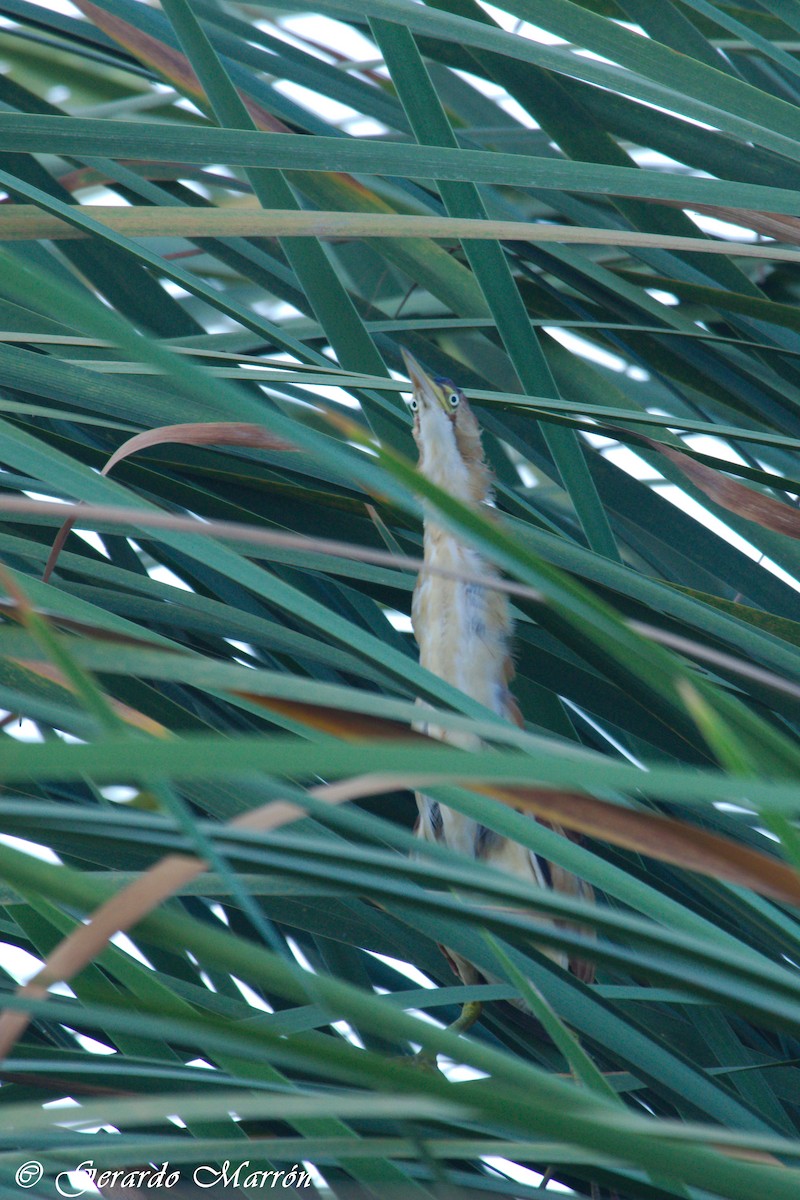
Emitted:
pixel 425 390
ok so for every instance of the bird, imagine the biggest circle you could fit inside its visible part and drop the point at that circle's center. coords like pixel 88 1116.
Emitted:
pixel 464 633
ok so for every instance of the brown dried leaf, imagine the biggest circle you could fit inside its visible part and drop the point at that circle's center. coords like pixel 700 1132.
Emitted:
pixel 131 716
pixel 763 510
pixel 737 497
pixel 133 903
pixel 199 433
pixel 775 225
pixel 780 226
pixel 169 63
pixel 663 838
pixel 351 726
pixel 658 837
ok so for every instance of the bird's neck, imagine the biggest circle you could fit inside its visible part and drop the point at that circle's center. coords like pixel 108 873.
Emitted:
pixel 469 483
pixel 466 479
pixel 442 545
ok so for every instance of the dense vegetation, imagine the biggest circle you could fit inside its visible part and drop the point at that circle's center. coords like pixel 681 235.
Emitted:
pixel 230 218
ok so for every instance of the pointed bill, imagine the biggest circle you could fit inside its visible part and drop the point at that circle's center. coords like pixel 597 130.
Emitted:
pixel 419 379
pixel 426 391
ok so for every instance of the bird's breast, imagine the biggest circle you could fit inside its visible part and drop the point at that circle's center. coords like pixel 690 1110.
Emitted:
pixel 462 627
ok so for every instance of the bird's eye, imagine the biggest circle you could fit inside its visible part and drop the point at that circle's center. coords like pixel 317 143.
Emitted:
pixel 412 404
pixel 454 399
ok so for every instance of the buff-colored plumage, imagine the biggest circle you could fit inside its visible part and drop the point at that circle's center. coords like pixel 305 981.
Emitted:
pixel 464 629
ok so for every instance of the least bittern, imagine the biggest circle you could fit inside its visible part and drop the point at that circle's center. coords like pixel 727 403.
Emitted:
pixel 464 630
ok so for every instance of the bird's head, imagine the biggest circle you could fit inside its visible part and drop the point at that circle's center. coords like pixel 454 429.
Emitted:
pixel 448 436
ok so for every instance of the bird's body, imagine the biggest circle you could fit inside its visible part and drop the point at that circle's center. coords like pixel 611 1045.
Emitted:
pixel 464 629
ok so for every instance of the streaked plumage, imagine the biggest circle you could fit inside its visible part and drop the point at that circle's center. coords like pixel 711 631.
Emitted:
pixel 464 631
